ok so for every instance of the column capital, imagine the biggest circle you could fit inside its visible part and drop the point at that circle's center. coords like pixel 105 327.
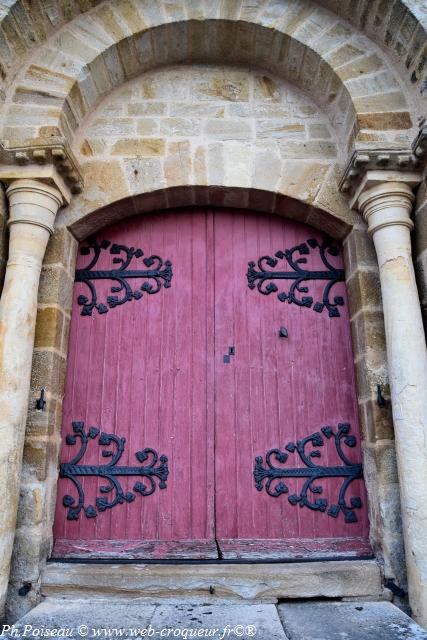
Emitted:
pixel 386 204
pixel 33 202
pixel 50 162
pixel 369 167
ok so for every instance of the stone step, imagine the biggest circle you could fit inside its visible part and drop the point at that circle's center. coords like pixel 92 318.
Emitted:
pixel 130 618
pixel 245 582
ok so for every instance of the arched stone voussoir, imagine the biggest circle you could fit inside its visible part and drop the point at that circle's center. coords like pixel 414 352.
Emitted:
pixel 26 25
pixel 91 221
pixel 342 70
pixel 400 27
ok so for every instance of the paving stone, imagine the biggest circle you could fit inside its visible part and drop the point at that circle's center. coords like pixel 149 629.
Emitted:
pixel 186 619
pixel 80 617
pixel 348 621
pixel 258 621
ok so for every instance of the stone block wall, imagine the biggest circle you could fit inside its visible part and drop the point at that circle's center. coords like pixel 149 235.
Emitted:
pixel 379 458
pixel 40 459
pixel 207 125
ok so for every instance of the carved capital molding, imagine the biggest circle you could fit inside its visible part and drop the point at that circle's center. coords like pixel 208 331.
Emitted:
pixel 52 163
pixel 33 202
pixel 419 146
pixel 387 205
pixel 401 161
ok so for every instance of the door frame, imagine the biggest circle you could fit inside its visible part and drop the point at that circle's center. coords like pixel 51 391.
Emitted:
pixel 79 539
pixel 41 452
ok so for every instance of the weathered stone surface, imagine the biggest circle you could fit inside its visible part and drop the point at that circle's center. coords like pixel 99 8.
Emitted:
pixel 144 174
pixel 261 619
pixel 147 126
pixel 228 129
pixel 49 328
pixel 360 251
pixel 392 101
pixel 308 149
pixel 302 179
pixel 385 120
pixel 56 286
pixel 102 178
pixel 178 163
pixel 407 365
pixel 60 613
pixel 229 85
pixel 139 147
pixel 377 422
pixel 352 621
pixel 146 108
pixel 364 290
pixel 280 128
pixel 189 618
pixel 241 582
pixel 48 372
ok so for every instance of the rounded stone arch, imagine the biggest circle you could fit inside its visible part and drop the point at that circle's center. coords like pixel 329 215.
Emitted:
pixel 92 220
pixel 342 70
pixel 399 27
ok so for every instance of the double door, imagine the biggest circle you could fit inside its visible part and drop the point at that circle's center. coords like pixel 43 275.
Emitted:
pixel 210 407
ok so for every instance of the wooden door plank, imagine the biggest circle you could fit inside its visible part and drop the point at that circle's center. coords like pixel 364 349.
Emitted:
pixel 139 372
pixel 281 390
pixel 296 549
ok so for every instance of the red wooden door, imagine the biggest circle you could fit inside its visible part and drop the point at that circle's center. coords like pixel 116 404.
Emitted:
pixel 195 370
pixel 276 391
pixel 140 371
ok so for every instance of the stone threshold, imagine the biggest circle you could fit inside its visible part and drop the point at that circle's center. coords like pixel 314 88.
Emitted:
pixel 261 582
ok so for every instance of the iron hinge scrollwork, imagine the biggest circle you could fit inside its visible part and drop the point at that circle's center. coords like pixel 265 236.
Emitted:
pixel 110 472
pixel 156 274
pixel 272 475
pixel 262 278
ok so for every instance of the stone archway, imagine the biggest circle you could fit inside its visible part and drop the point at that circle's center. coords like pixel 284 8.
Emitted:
pixel 50 356
pixel 53 95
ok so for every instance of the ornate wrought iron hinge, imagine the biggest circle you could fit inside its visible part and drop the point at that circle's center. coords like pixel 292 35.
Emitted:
pixel 349 471
pixel 156 273
pixel 262 278
pixel 110 472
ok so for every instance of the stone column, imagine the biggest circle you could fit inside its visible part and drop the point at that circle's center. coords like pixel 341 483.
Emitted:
pixel 32 209
pixel 386 206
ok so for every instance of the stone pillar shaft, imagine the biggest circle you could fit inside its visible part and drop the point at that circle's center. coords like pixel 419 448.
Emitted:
pixel 386 208
pixel 33 207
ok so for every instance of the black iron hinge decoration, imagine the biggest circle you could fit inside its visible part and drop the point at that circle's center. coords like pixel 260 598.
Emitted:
pixel 349 471
pixel 156 274
pixel 262 277
pixel 110 472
